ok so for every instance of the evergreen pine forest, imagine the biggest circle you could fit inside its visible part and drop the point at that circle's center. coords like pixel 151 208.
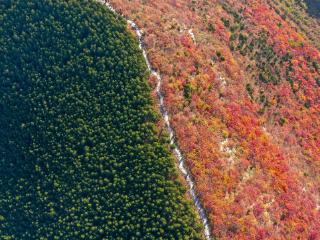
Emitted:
pixel 80 157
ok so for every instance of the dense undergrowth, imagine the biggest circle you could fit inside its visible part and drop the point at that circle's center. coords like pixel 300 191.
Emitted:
pixel 304 15
pixel 244 103
pixel 79 153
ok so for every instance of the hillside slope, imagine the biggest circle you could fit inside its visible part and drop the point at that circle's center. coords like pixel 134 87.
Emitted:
pixel 241 82
pixel 80 157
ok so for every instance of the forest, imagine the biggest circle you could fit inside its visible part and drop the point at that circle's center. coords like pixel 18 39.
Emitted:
pixel 85 154
pixel 241 81
pixel 80 153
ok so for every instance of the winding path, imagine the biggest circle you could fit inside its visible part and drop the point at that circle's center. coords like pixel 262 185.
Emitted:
pixel 182 166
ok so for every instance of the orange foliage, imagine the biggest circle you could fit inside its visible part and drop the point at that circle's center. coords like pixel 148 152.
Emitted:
pixel 257 172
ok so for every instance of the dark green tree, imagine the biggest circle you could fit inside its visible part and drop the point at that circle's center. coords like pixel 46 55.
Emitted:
pixel 79 154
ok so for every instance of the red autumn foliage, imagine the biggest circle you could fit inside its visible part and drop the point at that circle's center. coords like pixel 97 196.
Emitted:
pixel 251 143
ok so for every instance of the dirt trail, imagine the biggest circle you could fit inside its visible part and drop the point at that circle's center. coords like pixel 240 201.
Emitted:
pixel 182 165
